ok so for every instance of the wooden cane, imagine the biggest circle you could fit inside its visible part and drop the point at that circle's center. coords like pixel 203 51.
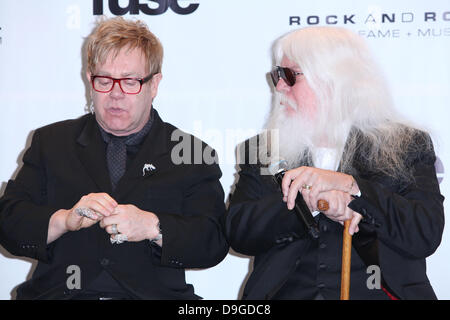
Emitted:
pixel 346 262
pixel 323 205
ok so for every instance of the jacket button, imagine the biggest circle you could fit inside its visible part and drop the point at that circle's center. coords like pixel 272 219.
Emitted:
pixel 104 262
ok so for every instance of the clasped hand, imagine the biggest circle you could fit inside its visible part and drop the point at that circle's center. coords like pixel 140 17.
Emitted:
pixel 318 184
pixel 129 220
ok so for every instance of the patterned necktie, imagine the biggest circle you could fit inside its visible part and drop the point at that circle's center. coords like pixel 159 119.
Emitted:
pixel 116 158
pixel 116 150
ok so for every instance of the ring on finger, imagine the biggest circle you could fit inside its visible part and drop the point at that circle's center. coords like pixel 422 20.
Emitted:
pixel 85 212
pixel 114 229
pixel 306 186
pixel 119 238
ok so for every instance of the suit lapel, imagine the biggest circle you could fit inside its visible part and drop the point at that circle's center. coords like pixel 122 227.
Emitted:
pixel 91 152
pixel 154 148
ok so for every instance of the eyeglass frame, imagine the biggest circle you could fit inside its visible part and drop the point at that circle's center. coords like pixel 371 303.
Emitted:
pixel 117 80
pixel 281 74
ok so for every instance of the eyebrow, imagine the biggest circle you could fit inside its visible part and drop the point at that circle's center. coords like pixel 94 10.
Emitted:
pixel 123 75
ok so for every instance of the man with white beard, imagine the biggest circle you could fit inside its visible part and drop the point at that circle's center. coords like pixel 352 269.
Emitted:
pixel 344 143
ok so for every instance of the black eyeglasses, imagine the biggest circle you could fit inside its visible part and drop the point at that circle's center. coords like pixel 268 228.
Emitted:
pixel 288 75
pixel 105 84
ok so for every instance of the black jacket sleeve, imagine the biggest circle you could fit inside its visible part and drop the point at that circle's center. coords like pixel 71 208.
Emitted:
pixel 24 213
pixel 407 217
pixel 196 239
pixel 257 217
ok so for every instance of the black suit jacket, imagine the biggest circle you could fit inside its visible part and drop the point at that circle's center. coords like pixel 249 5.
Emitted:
pixel 402 225
pixel 67 160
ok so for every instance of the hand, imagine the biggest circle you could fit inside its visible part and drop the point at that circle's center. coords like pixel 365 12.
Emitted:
pixel 101 204
pixel 64 220
pixel 338 209
pixel 132 222
pixel 318 180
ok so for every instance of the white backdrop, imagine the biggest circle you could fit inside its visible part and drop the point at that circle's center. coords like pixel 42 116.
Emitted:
pixel 214 83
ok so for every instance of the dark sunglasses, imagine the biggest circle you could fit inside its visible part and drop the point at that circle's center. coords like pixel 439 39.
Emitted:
pixel 288 75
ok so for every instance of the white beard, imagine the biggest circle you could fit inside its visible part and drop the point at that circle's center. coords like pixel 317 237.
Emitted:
pixel 297 132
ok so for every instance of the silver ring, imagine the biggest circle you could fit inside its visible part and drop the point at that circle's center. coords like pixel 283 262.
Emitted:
pixel 119 238
pixel 114 229
pixel 86 212
pixel 306 186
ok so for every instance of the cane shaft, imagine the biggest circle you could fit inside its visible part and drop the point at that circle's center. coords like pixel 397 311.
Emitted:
pixel 346 262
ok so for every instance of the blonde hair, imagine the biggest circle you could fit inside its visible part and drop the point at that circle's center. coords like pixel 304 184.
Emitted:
pixel 111 35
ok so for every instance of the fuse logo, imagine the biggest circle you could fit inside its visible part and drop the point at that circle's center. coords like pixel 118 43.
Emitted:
pixel 152 7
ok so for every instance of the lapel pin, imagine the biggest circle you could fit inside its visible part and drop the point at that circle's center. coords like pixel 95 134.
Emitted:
pixel 147 169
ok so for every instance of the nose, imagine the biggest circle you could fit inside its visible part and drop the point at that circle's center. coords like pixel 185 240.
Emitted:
pixel 116 91
pixel 282 86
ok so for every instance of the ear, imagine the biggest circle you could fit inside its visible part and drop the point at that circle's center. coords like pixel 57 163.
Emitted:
pixel 88 78
pixel 154 84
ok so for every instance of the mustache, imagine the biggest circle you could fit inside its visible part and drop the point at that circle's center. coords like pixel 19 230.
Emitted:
pixel 281 99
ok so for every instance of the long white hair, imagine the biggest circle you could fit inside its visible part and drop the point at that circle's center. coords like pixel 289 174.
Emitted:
pixel 354 106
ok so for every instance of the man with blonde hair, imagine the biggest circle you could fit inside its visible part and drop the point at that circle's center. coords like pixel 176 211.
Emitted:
pixel 343 143
pixel 99 201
